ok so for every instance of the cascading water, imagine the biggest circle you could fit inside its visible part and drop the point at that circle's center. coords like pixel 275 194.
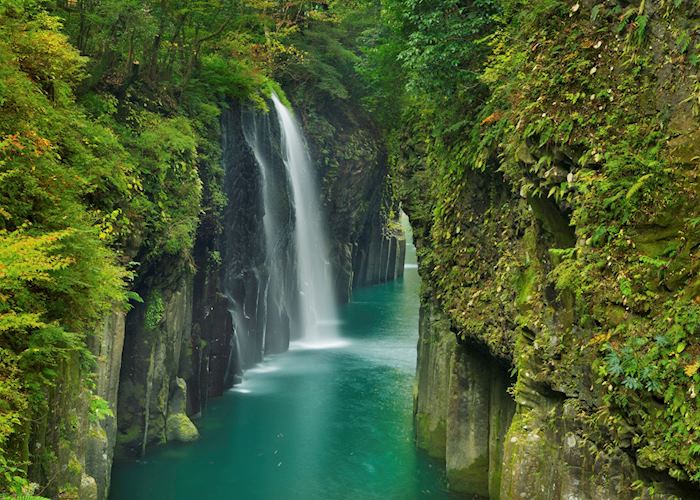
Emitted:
pixel 317 295
pixel 258 136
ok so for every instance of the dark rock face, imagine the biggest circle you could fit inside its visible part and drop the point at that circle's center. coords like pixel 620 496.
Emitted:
pixel 242 247
pixel 241 306
pixel 195 335
pixel 379 255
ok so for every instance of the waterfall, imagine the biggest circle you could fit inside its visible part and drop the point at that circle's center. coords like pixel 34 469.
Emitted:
pixel 236 356
pixel 277 221
pixel 255 131
pixel 317 295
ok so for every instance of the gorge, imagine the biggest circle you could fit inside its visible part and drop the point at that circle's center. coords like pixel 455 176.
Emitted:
pixel 312 422
pixel 349 249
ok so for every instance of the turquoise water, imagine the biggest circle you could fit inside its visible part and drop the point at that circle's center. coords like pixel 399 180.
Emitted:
pixel 310 424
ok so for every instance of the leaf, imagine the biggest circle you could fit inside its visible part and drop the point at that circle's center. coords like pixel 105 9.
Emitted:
pixel 632 383
pixel 134 296
pixel 638 185
pixel 640 32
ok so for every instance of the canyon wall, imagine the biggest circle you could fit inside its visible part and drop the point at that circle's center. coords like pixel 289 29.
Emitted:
pixel 519 436
pixel 558 244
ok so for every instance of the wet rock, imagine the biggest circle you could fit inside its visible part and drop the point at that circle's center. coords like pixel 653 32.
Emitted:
pixel 462 409
pixel 88 488
pixel 180 428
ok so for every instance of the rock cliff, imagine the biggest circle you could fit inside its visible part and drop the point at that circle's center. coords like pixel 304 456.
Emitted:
pixel 565 254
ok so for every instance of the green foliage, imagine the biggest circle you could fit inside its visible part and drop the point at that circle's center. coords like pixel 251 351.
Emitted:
pixel 57 276
pixel 328 56
pixel 155 307
pixel 171 190
pixel 99 409
pixel 382 75
pixel 652 361
pixel 562 114
pixel 15 481
pixel 442 42
pixel 110 147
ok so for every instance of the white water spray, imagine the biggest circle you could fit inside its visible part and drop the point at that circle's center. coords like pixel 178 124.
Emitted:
pixel 255 136
pixel 319 316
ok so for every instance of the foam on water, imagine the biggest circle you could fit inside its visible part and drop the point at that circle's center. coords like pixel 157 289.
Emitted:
pixel 301 345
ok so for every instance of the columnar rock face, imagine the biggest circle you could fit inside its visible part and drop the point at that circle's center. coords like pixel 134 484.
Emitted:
pixel 379 256
pixel 212 336
pixel 562 239
pixel 552 440
pixel 580 295
pixel 156 353
pixel 542 445
pixel 501 314
pixel 464 414
pixel 462 408
pixel 75 438
pixel 108 346
pixel 548 442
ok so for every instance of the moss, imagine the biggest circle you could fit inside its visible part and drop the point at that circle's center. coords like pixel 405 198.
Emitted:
pixel 430 435
pixel 180 428
pixel 524 286
pixel 685 149
pixel 655 241
pixel 155 308
pixel 471 479
pixel 88 488
pixel 131 435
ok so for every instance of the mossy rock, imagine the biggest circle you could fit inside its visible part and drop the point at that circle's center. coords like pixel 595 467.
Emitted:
pixel 88 488
pixel 131 435
pixel 430 435
pixel 180 428
pixel 472 479
pixel 685 149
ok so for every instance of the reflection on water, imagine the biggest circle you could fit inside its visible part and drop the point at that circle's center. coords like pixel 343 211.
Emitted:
pixel 310 424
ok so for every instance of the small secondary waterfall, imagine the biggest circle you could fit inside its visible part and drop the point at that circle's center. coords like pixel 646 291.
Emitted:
pixel 258 136
pixel 317 296
pixel 255 133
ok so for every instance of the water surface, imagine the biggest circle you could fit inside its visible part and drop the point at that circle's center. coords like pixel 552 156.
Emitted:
pixel 310 424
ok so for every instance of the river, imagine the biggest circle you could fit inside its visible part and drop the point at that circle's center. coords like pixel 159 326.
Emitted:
pixel 328 424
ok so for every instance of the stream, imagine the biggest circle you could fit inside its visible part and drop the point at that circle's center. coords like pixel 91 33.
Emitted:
pixel 311 423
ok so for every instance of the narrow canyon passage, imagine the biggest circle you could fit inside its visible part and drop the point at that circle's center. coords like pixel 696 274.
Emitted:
pixel 310 424
pixel 204 212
